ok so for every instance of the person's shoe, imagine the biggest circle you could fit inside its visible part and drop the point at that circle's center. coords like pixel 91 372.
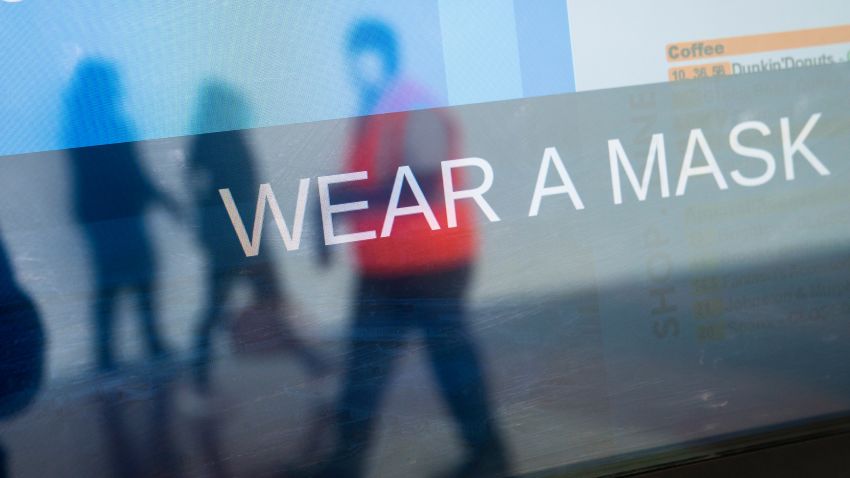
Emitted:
pixel 105 367
pixel 481 466
pixel 108 380
pixel 200 373
pixel 163 364
pixel 338 465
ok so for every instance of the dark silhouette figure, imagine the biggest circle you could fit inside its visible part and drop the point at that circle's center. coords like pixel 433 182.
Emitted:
pixel 112 194
pixel 22 346
pixel 416 279
pixel 225 160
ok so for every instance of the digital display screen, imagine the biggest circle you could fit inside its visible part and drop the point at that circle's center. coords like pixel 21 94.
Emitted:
pixel 479 238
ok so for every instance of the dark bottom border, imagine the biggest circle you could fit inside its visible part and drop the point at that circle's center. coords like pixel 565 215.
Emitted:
pixel 685 458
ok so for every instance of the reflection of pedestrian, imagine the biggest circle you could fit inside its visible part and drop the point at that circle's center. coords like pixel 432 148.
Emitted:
pixel 416 279
pixel 111 195
pixel 219 160
pixel 21 348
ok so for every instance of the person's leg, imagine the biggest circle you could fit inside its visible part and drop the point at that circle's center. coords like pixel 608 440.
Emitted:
pixel 103 318
pixel 460 375
pixel 376 342
pixel 264 280
pixel 118 433
pixel 218 287
pixel 107 282
pixel 150 323
pixel 162 431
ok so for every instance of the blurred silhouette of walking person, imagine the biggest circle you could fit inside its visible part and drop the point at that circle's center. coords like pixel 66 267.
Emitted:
pixel 112 194
pixel 22 346
pixel 224 160
pixel 415 276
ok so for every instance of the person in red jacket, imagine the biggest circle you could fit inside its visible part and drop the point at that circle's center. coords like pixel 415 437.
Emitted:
pixel 416 278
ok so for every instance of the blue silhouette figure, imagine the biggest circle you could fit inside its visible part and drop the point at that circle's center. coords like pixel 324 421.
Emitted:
pixel 112 194
pixel 224 159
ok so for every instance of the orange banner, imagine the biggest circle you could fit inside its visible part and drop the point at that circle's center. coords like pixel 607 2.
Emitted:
pixel 743 45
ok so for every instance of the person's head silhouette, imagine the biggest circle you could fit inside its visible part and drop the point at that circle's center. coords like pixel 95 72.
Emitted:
pixel 221 107
pixel 93 105
pixel 374 59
